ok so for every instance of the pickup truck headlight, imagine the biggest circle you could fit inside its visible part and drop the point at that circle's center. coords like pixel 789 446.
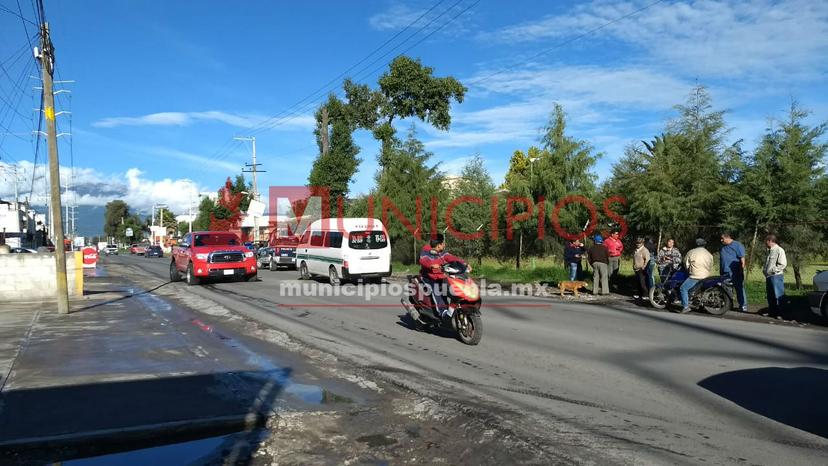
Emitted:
pixel 248 254
pixel 202 257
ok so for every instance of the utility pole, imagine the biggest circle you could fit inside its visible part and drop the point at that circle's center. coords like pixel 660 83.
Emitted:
pixel 253 168
pixel 47 63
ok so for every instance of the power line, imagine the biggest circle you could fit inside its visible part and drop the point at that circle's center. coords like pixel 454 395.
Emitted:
pixel 222 152
pixel 14 13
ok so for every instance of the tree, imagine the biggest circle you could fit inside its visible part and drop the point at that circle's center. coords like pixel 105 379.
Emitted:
pixel 407 89
pixel 245 189
pixel 783 183
pixel 407 178
pixel 337 161
pixel 227 212
pixel 115 214
pixel 205 211
pixel 476 183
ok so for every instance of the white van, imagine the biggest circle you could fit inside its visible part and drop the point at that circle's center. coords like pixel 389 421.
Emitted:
pixel 345 249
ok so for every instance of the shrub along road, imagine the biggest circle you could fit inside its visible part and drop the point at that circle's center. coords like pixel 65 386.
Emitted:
pixel 629 383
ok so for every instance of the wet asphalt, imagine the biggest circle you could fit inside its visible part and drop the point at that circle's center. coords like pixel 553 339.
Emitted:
pixel 634 384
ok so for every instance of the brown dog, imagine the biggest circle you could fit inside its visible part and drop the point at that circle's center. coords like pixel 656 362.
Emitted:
pixel 572 286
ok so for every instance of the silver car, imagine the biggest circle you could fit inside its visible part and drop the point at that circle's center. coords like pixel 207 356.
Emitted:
pixel 818 299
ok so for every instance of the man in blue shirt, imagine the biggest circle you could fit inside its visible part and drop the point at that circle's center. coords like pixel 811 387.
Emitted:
pixel 732 265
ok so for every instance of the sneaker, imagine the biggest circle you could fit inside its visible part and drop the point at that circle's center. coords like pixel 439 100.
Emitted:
pixel 685 310
pixel 635 296
pixel 744 309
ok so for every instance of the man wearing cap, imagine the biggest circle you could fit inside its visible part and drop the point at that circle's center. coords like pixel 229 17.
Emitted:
pixel 699 263
pixel 598 256
pixel 732 265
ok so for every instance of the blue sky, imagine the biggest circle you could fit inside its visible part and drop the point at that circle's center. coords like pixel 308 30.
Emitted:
pixel 162 87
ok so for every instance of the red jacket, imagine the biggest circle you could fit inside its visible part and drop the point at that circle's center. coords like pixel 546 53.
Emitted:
pixel 614 246
pixel 431 263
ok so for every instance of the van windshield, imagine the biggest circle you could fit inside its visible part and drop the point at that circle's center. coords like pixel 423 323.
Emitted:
pixel 367 240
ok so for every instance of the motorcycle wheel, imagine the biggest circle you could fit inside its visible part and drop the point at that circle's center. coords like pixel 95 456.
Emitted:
pixel 715 301
pixel 658 297
pixel 469 327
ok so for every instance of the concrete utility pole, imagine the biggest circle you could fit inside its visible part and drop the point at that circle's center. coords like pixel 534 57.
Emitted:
pixel 253 168
pixel 47 63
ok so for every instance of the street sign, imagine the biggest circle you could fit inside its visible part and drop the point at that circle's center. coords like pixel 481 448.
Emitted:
pixel 129 232
pixel 90 257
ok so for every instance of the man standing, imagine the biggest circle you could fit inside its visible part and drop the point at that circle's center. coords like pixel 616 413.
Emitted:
pixel 774 271
pixel 699 263
pixel 732 265
pixel 572 256
pixel 641 259
pixel 614 247
pixel 653 250
pixel 598 256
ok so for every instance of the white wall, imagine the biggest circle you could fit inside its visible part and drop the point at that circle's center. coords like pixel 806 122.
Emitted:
pixel 31 277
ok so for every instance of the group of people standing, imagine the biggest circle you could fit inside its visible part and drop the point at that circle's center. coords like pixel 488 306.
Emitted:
pixel 605 258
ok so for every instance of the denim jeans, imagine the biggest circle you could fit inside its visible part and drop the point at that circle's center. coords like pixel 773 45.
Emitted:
pixel 685 291
pixel 434 288
pixel 738 280
pixel 573 270
pixel 775 290
pixel 650 274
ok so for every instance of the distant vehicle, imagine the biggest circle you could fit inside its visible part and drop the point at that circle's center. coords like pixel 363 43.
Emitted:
pixel 154 251
pixel 283 252
pixel 345 249
pixel 263 257
pixel 138 249
pixel 110 249
pixel 212 254
pixel 818 299
pixel 23 251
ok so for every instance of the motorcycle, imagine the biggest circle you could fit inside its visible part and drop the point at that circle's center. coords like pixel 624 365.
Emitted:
pixel 462 296
pixel 716 295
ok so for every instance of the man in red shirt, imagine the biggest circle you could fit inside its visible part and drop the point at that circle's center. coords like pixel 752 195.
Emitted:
pixel 432 258
pixel 614 247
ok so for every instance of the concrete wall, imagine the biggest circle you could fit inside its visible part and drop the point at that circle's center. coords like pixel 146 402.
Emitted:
pixel 31 277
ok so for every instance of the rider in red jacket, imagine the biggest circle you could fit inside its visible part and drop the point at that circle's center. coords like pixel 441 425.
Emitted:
pixel 432 258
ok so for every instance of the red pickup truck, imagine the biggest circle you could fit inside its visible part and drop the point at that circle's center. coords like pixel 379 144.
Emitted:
pixel 213 254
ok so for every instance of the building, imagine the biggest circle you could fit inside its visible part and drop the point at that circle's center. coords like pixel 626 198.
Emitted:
pixel 21 226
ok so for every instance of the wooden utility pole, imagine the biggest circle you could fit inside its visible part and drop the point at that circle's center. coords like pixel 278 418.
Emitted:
pixel 47 63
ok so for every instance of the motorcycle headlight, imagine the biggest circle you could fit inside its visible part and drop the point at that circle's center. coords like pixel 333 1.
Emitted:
pixel 248 254
pixel 202 257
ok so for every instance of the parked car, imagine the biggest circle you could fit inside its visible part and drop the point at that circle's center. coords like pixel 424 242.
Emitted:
pixel 818 298
pixel 138 249
pixel 154 251
pixel 110 249
pixel 23 251
pixel 263 257
pixel 284 252
pixel 213 254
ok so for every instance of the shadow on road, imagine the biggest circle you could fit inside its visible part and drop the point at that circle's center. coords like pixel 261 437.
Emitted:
pixel 44 425
pixel 794 396
pixel 122 298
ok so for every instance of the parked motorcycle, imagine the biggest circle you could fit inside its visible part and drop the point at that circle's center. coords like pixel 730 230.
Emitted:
pixel 463 297
pixel 716 295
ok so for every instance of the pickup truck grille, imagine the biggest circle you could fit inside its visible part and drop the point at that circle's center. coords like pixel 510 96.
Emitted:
pixel 228 256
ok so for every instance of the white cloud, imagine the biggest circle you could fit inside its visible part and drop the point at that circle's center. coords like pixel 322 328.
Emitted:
pixel 779 39
pixel 396 17
pixel 301 122
pixel 91 187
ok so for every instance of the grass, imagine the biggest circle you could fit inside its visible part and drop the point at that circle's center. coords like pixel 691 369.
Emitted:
pixel 550 269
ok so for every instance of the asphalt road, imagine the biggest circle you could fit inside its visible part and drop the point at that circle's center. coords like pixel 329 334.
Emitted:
pixel 630 383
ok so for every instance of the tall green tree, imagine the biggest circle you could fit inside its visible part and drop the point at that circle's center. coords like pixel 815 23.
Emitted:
pixel 337 161
pixel 783 182
pixel 205 210
pixel 407 89
pixel 475 183
pixel 408 177
pixel 115 213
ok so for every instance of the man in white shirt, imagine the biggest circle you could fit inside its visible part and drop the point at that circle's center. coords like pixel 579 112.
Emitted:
pixel 699 263
pixel 774 271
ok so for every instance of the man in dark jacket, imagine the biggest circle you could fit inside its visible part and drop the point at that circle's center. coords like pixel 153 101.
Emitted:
pixel 432 258
pixel 572 256
pixel 598 257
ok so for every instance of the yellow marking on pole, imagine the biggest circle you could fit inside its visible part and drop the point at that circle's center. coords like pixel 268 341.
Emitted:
pixel 50 113
pixel 79 273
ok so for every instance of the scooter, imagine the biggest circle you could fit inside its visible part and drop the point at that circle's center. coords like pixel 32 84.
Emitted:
pixel 716 295
pixel 462 298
